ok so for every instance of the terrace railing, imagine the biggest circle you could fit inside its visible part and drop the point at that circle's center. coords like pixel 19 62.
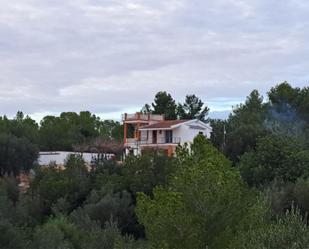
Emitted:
pixel 163 140
pixel 141 116
pixel 131 141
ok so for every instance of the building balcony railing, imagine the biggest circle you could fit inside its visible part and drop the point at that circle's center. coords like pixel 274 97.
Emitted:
pixel 160 141
pixel 131 141
pixel 141 116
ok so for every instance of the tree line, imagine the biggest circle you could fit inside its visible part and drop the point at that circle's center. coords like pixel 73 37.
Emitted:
pixel 21 138
pixel 63 131
pixel 246 187
pixel 194 200
pixel 192 108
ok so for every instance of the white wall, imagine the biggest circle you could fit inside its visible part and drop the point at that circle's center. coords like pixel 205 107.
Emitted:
pixel 187 134
pixel 59 157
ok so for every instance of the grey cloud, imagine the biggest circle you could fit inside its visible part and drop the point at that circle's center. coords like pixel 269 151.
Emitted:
pixel 113 56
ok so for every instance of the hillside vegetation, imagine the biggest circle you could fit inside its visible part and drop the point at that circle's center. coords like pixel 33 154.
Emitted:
pixel 245 188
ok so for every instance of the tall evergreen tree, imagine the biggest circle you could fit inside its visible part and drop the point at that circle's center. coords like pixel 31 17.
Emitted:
pixel 16 154
pixel 245 125
pixel 146 109
pixel 193 108
pixel 165 104
pixel 283 96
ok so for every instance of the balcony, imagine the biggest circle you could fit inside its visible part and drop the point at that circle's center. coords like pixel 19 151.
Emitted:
pixel 142 117
pixel 131 141
pixel 160 141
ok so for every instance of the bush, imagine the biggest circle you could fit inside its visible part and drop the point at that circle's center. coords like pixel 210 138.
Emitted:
pixel 275 157
pixel 288 232
pixel 204 205
pixel 282 196
pixel 16 155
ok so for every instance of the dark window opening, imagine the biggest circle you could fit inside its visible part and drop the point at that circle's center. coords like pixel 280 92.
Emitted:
pixel 154 137
pixel 168 137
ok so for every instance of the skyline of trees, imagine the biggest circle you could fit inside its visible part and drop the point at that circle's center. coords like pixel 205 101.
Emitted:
pixel 247 187
pixel 192 108
pixel 284 113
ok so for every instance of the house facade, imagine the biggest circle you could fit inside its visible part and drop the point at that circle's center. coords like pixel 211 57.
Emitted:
pixel 144 132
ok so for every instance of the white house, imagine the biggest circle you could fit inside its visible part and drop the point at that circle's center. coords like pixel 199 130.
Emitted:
pixel 153 132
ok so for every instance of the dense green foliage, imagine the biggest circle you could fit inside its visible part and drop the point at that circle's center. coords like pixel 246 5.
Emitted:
pixel 63 132
pixel 275 157
pixel 195 200
pixel 288 232
pixel 284 114
pixel 205 203
pixel 70 128
pixel 164 104
pixel 77 208
pixel 16 154
pixel 192 108
pixel 246 187
pixel 282 195
pixel 218 134
pixel 20 126
pixel 245 125
pixel 18 149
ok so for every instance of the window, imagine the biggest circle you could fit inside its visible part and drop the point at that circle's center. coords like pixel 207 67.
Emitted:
pixel 168 137
pixel 154 137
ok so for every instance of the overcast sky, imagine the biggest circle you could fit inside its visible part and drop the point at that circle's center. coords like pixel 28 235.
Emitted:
pixel 110 57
